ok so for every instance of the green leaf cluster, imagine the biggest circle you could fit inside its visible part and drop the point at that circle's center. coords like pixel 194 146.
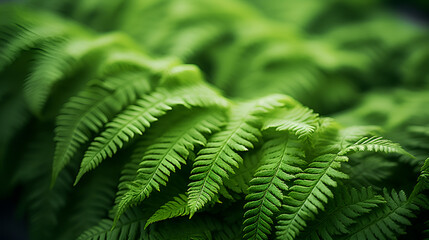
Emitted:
pixel 113 131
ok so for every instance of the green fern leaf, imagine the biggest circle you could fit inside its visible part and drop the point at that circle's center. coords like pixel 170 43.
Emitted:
pixel 239 182
pixel 24 30
pixel 279 162
pixel 309 194
pixel 387 221
pixel 136 118
pixel 129 226
pixel 52 63
pixel 42 204
pixel 299 120
pixel 373 144
pixel 129 172
pixel 422 181
pixel 347 205
pixel 168 152
pixel 90 110
pixel 216 161
pixel 368 171
pixel 174 208
pixel 133 120
pixel 89 203
pixel 57 61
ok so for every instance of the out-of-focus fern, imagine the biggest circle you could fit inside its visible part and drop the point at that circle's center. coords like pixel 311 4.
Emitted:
pixel 256 165
pixel 347 205
pixel 387 221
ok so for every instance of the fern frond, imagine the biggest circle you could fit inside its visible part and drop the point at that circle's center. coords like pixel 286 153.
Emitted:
pixel 281 157
pixel 239 182
pixel 229 231
pixel 199 228
pixel 309 194
pixel 129 172
pixel 129 226
pixel 218 159
pixel 136 118
pixel 168 152
pixel 174 208
pixel 90 110
pixel 43 204
pixel 58 61
pixel 25 30
pixel 368 171
pixel 133 120
pixel 340 213
pixel 422 181
pixel 386 222
pixel 299 120
pixel 52 63
pixel 352 134
pixel 373 144
pixel 89 203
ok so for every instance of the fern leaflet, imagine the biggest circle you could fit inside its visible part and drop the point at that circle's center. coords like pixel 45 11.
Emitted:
pixel 280 158
pixel 347 205
pixel 129 226
pixel 299 120
pixel 373 144
pixel 90 110
pixel 136 118
pixel 385 222
pixel 174 208
pixel 309 194
pixel 57 61
pixel 216 161
pixel 168 152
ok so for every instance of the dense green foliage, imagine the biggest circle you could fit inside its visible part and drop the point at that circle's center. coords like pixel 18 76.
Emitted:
pixel 212 119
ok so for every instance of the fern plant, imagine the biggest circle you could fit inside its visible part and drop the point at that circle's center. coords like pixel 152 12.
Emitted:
pixel 125 139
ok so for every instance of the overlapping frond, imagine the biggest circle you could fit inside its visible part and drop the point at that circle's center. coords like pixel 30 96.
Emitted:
pixel 133 120
pixel 129 171
pixel 309 194
pixel 90 202
pixel 368 171
pixel 90 110
pixel 281 158
pixel 422 181
pixel 155 116
pixel 347 205
pixel 57 61
pixel 218 159
pixel 386 222
pixel 373 144
pixel 129 226
pixel 167 153
pixel 136 118
pixel 42 203
pixel 24 30
pixel 239 182
pixel 174 208
pixel 52 63
pixel 299 120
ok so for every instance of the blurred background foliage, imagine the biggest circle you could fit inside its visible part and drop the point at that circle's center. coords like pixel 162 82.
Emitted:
pixel 361 62
pixel 325 54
